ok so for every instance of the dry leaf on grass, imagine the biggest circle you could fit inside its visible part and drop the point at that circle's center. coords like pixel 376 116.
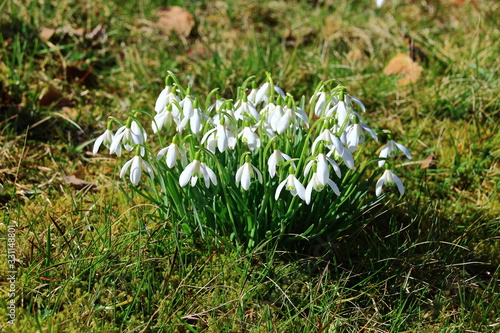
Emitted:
pixel 403 64
pixel 177 19
pixel 429 162
pixel 46 33
pixel 77 182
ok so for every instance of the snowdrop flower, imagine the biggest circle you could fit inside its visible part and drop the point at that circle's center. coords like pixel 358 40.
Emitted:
pixel 166 97
pixel 265 92
pixel 320 105
pixel 336 147
pixel 379 3
pixel 248 136
pixel 136 164
pixel 195 117
pixel 391 149
pixel 293 185
pixel 169 115
pixel 290 116
pixel 316 184
pixel 223 136
pixel 356 134
pixel 245 173
pixel 195 170
pixel 128 136
pixel 105 138
pixel 389 178
pixel 276 158
pixel 246 109
pixel 173 152
pixel 321 162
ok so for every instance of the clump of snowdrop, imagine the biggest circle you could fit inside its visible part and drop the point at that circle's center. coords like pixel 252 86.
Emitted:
pixel 262 157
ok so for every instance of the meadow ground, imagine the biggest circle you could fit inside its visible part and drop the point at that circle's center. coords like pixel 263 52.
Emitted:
pixel 91 257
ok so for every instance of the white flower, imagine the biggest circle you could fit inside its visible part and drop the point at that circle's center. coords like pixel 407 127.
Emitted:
pixel 356 135
pixel 166 117
pixel 290 117
pixel 173 152
pixel 390 150
pixel 194 119
pixel 245 110
pixel 335 145
pixel 264 92
pixel 136 165
pixel 315 184
pixel 195 170
pixel 322 168
pixel 245 173
pixel 248 136
pixel 276 158
pixel 128 137
pixel 166 97
pixel 105 138
pixel 220 136
pixel 389 178
pixel 379 3
pixel 293 185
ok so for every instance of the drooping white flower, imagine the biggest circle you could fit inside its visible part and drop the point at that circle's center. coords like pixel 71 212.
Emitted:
pixel 248 136
pixel 321 161
pixel 391 149
pixel 356 135
pixel 276 158
pixel 293 185
pixel 173 152
pixel 379 3
pixel 104 139
pixel 195 119
pixel 128 136
pixel 136 165
pixel 264 93
pixel 289 117
pixel 167 96
pixel 169 116
pixel 336 147
pixel 389 178
pixel 315 184
pixel 195 170
pixel 246 110
pixel 245 173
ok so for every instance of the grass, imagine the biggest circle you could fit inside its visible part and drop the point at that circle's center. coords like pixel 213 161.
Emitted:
pixel 97 258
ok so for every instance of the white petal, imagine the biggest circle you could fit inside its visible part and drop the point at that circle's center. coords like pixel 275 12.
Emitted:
pixel 299 188
pixel 161 153
pixel 245 177
pixel 404 150
pixel 150 169
pixel 334 186
pixel 136 170
pixel 309 191
pixel 186 174
pixel 280 187
pixel 125 167
pixel 98 143
pixel 399 184
pixel 171 156
pixel 378 186
pixel 239 173
pixel 259 174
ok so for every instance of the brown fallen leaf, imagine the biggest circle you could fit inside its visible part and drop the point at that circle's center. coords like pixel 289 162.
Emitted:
pixel 77 182
pixel 46 33
pixel 177 19
pixel 429 162
pixel 403 64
